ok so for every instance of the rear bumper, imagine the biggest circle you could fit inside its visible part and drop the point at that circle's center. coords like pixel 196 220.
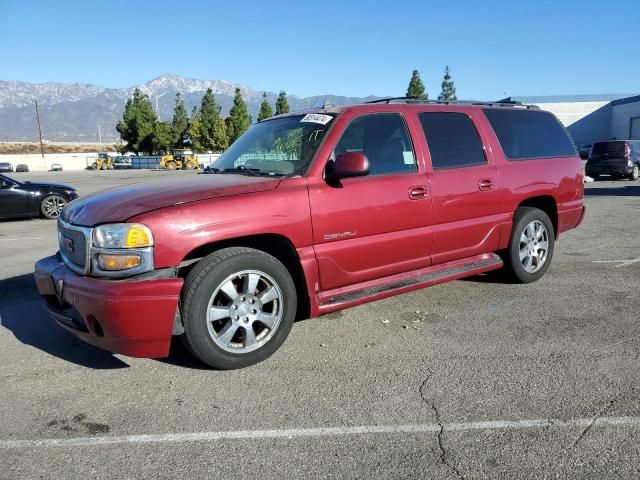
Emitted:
pixel 616 169
pixel 570 217
pixel 130 317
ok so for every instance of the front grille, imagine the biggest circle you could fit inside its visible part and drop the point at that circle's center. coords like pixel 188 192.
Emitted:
pixel 73 242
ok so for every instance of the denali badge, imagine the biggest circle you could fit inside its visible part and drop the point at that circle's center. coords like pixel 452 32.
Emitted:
pixel 67 244
pixel 333 236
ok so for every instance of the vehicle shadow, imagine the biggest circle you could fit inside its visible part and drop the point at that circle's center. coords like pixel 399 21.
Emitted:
pixel 621 191
pixel 24 314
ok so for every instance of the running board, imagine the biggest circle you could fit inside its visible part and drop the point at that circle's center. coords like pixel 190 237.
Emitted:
pixel 344 297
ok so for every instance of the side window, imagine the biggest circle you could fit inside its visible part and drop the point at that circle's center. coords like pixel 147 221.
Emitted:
pixel 526 134
pixel 452 139
pixel 383 138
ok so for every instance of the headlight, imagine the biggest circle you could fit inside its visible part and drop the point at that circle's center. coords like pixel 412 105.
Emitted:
pixel 122 235
pixel 121 250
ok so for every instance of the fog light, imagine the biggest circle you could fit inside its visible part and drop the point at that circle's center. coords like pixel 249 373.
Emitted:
pixel 110 262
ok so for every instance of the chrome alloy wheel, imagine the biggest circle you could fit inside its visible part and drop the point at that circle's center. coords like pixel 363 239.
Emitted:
pixel 244 311
pixel 52 206
pixel 534 246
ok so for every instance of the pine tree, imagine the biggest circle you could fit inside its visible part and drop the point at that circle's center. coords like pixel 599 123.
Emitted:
pixel 212 133
pixel 180 123
pixel 448 93
pixel 138 124
pixel 194 132
pixel 163 138
pixel 238 120
pixel 265 108
pixel 416 87
pixel 282 105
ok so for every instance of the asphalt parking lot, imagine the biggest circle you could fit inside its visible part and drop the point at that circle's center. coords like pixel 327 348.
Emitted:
pixel 470 379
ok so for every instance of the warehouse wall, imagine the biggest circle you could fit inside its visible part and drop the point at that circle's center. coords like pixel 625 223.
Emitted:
pixel 621 119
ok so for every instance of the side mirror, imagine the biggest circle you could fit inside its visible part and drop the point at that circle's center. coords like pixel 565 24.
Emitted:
pixel 349 164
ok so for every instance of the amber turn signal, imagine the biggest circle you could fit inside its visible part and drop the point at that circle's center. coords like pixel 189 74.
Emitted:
pixel 111 262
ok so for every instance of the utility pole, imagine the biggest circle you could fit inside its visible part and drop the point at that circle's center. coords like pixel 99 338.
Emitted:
pixel 157 105
pixel 39 129
pixel 99 134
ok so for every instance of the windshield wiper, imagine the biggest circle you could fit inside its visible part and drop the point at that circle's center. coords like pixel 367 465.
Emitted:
pixel 242 170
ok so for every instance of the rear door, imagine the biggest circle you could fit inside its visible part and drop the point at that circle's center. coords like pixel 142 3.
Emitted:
pixel 465 186
pixel 608 157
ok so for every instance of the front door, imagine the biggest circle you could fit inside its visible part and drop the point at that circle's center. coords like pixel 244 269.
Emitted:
pixel 376 225
pixel 12 201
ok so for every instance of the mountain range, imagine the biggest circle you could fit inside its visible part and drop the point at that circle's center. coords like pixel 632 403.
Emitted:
pixel 84 113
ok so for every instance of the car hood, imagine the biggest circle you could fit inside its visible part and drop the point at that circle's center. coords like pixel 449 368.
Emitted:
pixel 121 203
pixel 38 185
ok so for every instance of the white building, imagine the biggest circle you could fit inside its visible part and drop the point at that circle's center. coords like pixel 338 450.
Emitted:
pixel 592 118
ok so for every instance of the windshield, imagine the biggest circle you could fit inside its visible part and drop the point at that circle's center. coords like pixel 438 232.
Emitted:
pixel 6 179
pixel 283 146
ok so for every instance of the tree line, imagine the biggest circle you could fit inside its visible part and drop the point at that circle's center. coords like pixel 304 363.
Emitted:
pixel 206 130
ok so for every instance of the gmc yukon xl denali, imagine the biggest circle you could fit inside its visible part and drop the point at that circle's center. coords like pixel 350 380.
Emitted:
pixel 312 212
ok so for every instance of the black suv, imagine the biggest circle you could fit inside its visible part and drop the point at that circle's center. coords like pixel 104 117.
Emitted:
pixel 617 158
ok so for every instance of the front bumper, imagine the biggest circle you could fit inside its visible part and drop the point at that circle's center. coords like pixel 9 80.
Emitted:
pixel 131 317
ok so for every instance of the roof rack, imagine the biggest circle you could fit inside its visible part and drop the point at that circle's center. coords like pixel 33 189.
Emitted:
pixel 414 100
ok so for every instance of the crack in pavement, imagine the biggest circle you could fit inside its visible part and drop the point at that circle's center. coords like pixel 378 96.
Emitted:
pixel 443 453
pixel 602 411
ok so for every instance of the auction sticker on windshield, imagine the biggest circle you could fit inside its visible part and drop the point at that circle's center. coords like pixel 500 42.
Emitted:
pixel 316 118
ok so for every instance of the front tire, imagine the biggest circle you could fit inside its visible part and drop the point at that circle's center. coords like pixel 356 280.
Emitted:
pixel 238 307
pixel 51 206
pixel 635 173
pixel 530 246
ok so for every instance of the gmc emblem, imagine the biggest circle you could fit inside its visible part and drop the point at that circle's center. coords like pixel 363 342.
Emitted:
pixel 67 244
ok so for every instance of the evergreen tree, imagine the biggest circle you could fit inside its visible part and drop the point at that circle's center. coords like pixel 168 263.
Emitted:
pixel 138 124
pixel 194 132
pixel 238 120
pixel 448 93
pixel 265 108
pixel 282 105
pixel 163 138
pixel 180 123
pixel 213 133
pixel 416 87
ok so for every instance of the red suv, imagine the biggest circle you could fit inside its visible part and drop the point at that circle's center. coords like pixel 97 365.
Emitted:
pixel 312 212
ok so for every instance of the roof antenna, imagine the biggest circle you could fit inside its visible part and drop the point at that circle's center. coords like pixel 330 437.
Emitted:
pixel 327 104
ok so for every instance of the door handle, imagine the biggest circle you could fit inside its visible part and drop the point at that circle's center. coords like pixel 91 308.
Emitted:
pixel 418 192
pixel 485 184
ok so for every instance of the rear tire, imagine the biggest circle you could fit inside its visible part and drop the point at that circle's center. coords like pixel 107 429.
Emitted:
pixel 530 246
pixel 171 165
pixel 238 307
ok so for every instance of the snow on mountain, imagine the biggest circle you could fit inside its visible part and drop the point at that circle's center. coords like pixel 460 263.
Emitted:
pixel 76 111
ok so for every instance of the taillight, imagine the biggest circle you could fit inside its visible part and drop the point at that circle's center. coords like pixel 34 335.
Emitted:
pixel 627 151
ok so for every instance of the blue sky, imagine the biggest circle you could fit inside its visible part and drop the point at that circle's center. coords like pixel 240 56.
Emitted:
pixel 494 48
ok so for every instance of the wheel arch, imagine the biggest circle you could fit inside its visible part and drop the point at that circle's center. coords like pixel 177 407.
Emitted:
pixel 547 204
pixel 276 245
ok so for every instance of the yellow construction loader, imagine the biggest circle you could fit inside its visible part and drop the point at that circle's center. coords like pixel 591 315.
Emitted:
pixel 103 162
pixel 179 160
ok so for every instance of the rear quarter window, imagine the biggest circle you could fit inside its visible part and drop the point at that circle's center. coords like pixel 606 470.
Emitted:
pixel 528 134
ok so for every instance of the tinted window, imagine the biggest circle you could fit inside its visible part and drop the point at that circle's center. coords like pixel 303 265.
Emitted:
pixel 452 139
pixel 383 138
pixel 529 133
pixel 608 148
